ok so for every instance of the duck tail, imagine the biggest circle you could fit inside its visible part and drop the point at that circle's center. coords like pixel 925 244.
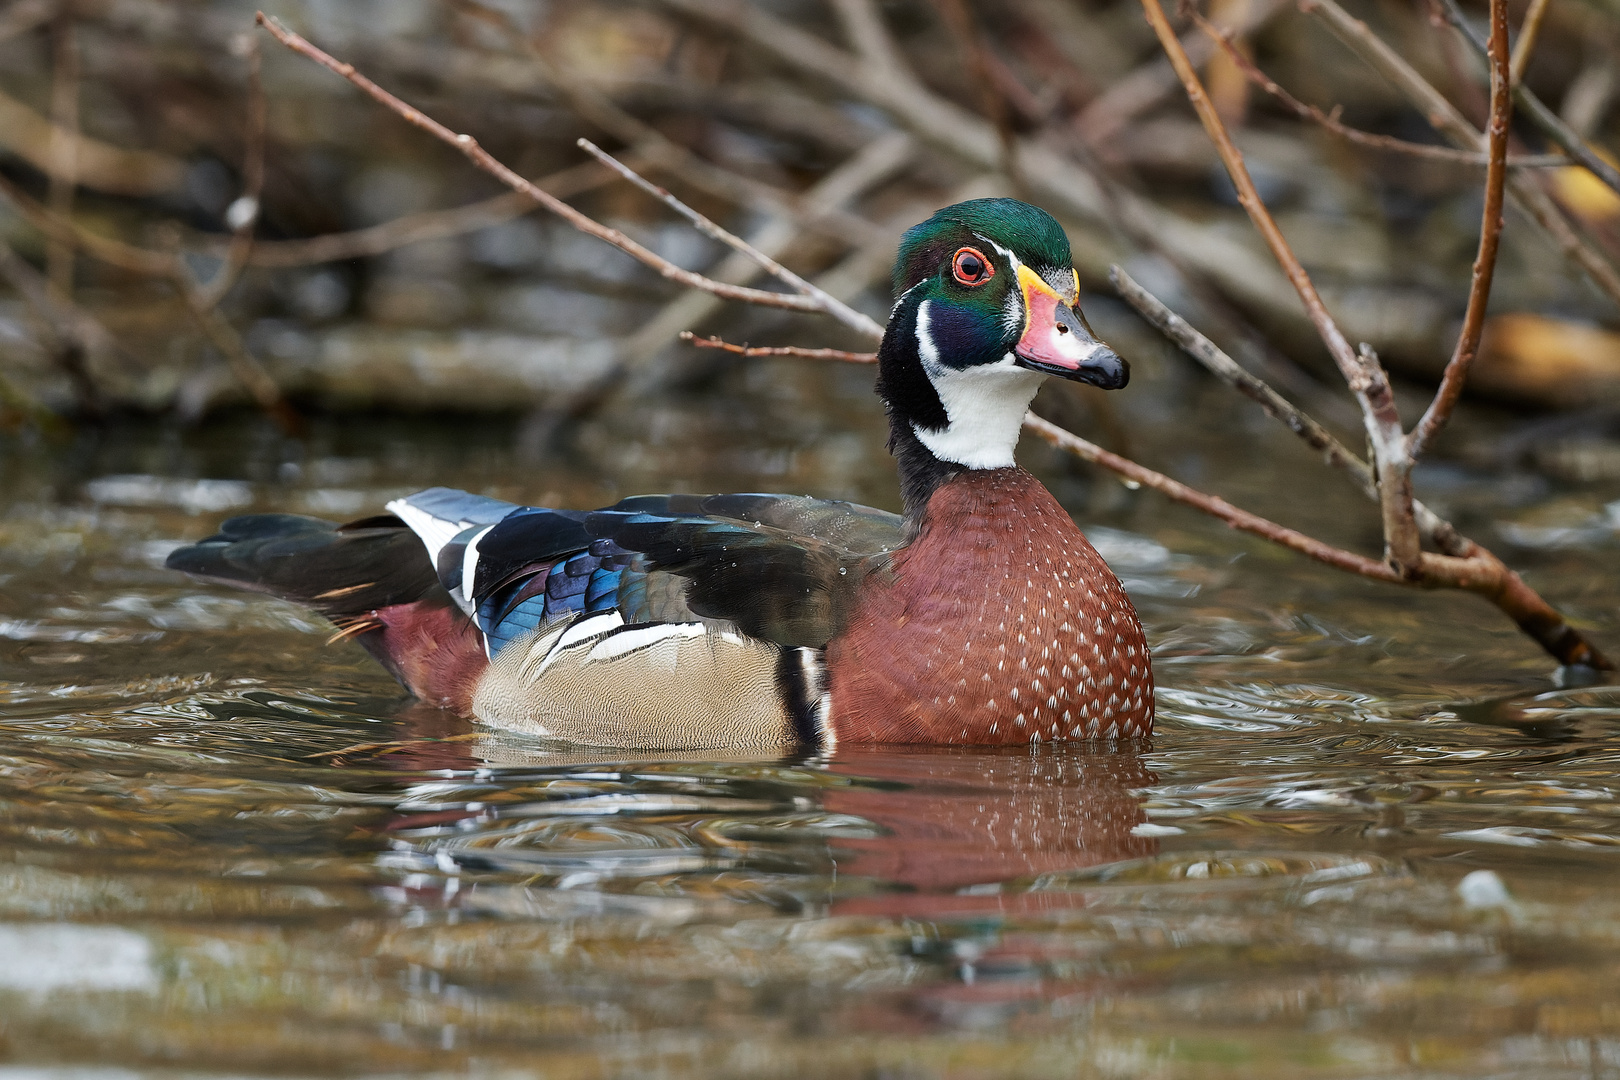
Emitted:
pixel 372 578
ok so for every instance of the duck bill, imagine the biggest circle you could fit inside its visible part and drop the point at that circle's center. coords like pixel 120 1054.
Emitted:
pixel 1056 341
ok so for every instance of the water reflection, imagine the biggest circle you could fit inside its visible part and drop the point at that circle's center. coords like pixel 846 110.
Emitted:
pixel 863 831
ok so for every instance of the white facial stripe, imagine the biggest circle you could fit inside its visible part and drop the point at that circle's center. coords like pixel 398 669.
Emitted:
pixel 925 339
pixel 1011 258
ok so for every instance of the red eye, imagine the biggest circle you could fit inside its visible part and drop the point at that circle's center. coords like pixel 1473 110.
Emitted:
pixel 971 267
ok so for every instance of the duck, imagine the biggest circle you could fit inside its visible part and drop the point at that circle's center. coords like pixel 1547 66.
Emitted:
pixel 978 615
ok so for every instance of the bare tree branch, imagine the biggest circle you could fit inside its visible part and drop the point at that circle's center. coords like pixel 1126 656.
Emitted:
pixel 1490 233
pixel 1362 372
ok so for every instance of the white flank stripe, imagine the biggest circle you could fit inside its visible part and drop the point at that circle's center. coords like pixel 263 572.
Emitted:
pixel 626 641
pixel 594 626
pixel 583 630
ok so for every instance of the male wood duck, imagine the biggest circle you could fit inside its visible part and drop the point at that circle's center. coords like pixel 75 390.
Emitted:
pixel 980 615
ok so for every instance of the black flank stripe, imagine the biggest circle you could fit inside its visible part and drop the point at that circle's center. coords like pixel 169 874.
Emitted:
pixel 798 697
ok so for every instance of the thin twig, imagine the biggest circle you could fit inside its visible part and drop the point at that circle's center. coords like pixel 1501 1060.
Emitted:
pixel 1536 110
pixel 487 162
pixel 1529 31
pixel 1482 572
pixel 837 309
pixel 1213 505
pixel 1490 233
pixel 1331 122
pixel 1362 372
pixel 1434 529
pixel 1229 371
pixel 843 355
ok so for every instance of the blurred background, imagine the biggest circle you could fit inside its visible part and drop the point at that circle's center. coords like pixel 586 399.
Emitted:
pixel 1373 836
pixel 386 274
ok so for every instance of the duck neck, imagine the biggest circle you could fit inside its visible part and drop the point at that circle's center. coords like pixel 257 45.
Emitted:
pixel 921 472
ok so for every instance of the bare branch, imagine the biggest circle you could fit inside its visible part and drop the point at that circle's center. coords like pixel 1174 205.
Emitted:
pixel 1490 234
pixel 1230 372
pixel 836 308
pixel 1365 376
pixel 1213 505
pixel 1431 526
pixel 712 342
pixel 484 160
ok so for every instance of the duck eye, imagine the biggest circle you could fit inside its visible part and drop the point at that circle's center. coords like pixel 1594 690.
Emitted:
pixel 971 267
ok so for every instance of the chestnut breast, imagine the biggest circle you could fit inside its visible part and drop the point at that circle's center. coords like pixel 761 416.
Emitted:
pixel 1000 623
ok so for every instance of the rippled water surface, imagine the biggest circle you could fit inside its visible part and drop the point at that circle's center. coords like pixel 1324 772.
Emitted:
pixel 1373 836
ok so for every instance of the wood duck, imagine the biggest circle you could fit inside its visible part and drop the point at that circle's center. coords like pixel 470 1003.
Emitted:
pixel 980 615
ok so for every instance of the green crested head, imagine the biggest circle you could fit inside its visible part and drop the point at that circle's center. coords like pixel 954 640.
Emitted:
pixel 986 305
pixel 1029 232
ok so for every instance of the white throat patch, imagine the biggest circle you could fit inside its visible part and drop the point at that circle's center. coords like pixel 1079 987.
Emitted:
pixel 984 405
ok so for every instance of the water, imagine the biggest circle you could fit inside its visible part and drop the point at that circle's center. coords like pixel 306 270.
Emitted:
pixel 1373 836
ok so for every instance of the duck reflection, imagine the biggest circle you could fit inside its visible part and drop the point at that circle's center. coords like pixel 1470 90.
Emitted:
pixel 918 832
pixel 957 823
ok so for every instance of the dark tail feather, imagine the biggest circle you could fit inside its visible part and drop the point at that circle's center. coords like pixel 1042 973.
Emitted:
pixel 372 578
pixel 336 569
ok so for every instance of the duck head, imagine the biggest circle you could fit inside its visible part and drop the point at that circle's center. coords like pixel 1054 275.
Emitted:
pixel 988 307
